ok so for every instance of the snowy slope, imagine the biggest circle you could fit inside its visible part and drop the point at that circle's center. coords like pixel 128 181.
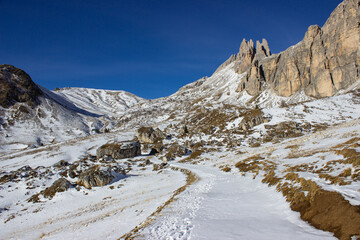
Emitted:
pixel 48 123
pixel 54 119
pixel 103 102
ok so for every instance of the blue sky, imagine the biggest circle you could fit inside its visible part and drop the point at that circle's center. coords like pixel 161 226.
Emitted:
pixel 149 48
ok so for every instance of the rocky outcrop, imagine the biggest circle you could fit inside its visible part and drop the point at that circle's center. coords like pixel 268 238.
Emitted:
pixel 60 185
pixel 149 135
pixel 253 118
pixel 246 55
pixel 97 176
pixel 175 150
pixel 17 86
pixel 324 62
pixel 119 150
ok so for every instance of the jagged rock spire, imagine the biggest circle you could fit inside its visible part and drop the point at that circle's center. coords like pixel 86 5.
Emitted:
pixel 248 53
pixel 262 49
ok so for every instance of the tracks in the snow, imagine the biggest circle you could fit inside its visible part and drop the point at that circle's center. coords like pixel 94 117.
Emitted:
pixel 191 178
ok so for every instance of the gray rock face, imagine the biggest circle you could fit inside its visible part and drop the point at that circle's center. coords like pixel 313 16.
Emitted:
pixel 119 150
pixel 95 177
pixel 324 62
pixel 149 135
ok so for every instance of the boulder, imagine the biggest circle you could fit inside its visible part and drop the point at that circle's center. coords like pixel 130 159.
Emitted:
pixel 95 176
pixel 174 151
pixel 119 150
pixel 149 135
pixel 60 185
pixel 253 118
pixel 61 164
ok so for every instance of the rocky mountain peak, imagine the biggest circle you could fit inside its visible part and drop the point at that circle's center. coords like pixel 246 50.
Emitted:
pixel 17 86
pixel 247 49
pixel 262 49
pixel 326 61
pixel 248 53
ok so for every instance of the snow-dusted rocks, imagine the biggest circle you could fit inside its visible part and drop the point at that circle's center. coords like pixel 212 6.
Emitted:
pixel 17 86
pixel 119 150
pixel 149 135
pixel 60 185
pixel 96 176
pixel 175 150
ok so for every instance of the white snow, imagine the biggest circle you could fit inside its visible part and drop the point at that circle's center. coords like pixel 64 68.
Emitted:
pixel 229 206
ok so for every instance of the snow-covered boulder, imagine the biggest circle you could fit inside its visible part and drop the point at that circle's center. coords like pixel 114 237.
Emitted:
pixel 149 135
pixel 95 177
pixel 119 150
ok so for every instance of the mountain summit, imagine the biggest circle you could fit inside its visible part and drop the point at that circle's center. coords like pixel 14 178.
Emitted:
pixel 326 61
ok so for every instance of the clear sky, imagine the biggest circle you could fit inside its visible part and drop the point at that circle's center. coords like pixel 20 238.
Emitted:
pixel 149 48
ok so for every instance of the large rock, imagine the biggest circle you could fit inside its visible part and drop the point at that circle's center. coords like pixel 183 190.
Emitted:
pixel 324 62
pixel 96 177
pixel 17 86
pixel 119 150
pixel 60 185
pixel 149 135
pixel 175 150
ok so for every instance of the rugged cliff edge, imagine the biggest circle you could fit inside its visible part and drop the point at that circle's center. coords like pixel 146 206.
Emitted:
pixel 324 62
pixel 17 86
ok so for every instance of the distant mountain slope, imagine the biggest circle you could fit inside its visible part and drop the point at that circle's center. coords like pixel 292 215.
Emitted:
pixel 31 115
pixel 103 102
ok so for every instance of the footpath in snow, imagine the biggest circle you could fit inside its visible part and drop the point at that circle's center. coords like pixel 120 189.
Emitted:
pixel 229 206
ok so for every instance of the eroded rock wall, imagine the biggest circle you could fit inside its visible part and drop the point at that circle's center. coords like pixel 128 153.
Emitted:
pixel 324 62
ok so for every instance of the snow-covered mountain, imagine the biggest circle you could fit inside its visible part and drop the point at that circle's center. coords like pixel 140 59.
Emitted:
pixel 104 102
pixel 32 115
pixel 269 141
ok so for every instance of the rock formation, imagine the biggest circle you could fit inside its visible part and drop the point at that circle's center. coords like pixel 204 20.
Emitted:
pixel 119 150
pixel 324 62
pixel 95 177
pixel 17 86
pixel 175 150
pixel 149 135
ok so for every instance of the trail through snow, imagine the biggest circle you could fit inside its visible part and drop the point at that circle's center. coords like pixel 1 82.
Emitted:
pixel 229 206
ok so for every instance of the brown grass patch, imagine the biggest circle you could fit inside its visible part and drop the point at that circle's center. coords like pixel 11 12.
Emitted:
pixel 225 168
pixel 270 178
pixel 336 180
pixel 194 155
pixel 251 164
pixel 323 209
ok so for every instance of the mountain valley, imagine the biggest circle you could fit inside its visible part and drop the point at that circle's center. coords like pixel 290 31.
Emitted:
pixel 266 147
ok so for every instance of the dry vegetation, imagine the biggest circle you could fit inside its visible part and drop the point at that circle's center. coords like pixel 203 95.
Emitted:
pixel 323 209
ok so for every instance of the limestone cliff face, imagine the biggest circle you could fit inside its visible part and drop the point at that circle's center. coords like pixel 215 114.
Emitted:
pixel 324 62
